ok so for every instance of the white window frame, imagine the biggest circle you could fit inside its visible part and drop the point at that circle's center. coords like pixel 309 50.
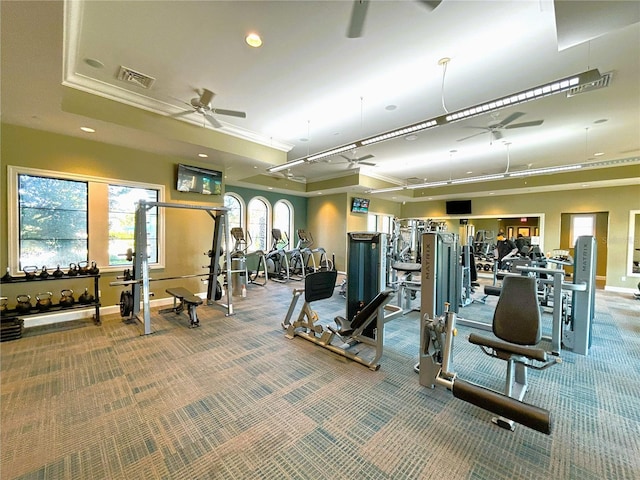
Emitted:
pixel 269 220
pixel 243 209
pixel 290 232
pixel 573 237
pixel 101 258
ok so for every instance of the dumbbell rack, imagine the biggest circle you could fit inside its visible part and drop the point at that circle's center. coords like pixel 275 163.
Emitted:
pixel 12 319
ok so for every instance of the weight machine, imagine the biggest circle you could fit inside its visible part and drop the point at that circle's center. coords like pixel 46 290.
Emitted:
pixel 516 326
pixel 140 278
pixel 367 301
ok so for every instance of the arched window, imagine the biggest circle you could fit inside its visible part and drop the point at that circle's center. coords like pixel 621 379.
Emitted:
pixel 258 223
pixel 235 215
pixel 283 219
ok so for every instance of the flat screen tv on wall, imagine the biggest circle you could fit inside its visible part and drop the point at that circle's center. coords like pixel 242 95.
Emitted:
pixel 459 207
pixel 199 180
pixel 359 205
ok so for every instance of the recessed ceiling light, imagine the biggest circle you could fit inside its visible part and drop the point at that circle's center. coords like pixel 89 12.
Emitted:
pixel 92 62
pixel 469 172
pixel 411 138
pixel 253 40
pixel 203 155
pixel 87 129
pixel 269 188
pixel 598 154
pixel 491 193
pixel 390 107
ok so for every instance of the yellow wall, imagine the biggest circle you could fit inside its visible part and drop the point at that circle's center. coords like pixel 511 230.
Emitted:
pixel 327 220
pixel 617 201
pixel 188 233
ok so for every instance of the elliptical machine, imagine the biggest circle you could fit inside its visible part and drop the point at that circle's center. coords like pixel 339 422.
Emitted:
pixel 276 259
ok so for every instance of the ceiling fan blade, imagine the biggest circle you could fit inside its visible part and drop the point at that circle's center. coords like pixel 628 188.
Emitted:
pixel 206 96
pixel 365 157
pixel 214 123
pixel 358 14
pixel 474 135
pixel 181 114
pixel 231 113
pixel 367 163
pixel 432 4
pixel 533 123
pixel 514 116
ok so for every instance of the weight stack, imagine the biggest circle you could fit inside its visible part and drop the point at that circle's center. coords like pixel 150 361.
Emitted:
pixel 11 329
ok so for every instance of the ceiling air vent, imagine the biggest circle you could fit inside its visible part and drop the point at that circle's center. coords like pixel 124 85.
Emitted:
pixel 602 82
pixel 131 76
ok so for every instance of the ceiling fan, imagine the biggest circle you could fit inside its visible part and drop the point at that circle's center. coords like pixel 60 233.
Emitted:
pixel 495 129
pixel 288 174
pixel 359 13
pixel 355 161
pixel 202 106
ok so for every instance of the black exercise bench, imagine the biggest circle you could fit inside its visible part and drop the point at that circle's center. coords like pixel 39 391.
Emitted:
pixel 186 298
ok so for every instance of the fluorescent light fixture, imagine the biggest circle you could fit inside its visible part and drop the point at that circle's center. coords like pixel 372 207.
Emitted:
pixel 534 93
pixel 428 184
pixel 399 132
pixel 329 153
pixel 551 88
pixel 385 190
pixel 284 166
pixel 483 178
pixel 543 171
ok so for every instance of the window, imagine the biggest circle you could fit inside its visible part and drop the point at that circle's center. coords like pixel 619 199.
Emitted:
pixel 53 226
pixel 235 215
pixel 379 223
pixel 58 218
pixel 258 223
pixel 122 209
pixel 582 225
pixel 283 219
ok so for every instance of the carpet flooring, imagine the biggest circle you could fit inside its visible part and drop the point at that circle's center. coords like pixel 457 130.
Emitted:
pixel 235 399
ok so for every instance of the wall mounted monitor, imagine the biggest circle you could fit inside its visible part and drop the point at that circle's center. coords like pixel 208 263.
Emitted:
pixel 199 180
pixel 458 207
pixel 359 205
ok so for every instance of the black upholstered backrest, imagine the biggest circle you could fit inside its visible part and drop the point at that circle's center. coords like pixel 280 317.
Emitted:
pixel 319 285
pixel 517 316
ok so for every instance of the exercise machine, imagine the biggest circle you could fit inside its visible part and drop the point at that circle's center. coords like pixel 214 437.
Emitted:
pixel 140 277
pixel 359 335
pixel 517 328
pixel 276 259
pixel 305 242
pixel 573 313
pixel 241 257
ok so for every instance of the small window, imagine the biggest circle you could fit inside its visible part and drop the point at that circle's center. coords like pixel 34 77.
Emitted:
pixel 258 223
pixel 283 219
pixel 235 216
pixel 122 209
pixel 582 225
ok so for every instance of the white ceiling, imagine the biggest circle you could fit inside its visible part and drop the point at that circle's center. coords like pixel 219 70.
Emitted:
pixel 310 88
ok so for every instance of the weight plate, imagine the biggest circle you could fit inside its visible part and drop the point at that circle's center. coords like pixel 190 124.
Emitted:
pixel 126 304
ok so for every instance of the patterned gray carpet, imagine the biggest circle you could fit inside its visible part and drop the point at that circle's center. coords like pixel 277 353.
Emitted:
pixel 235 399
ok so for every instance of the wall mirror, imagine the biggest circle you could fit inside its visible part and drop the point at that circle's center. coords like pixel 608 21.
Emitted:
pixel 633 256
